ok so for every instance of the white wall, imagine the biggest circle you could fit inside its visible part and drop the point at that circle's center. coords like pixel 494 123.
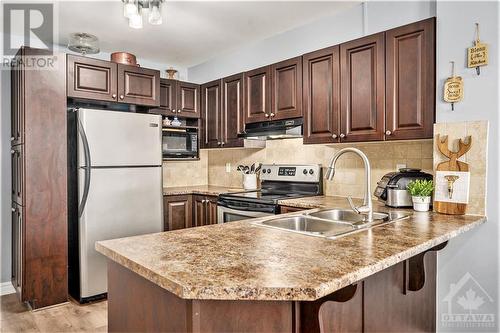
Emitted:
pixel 476 252
pixel 348 25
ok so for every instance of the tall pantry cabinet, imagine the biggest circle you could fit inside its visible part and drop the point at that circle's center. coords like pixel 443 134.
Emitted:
pixel 39 190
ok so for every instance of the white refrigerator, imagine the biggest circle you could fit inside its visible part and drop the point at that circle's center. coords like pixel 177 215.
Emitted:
pixel 119 184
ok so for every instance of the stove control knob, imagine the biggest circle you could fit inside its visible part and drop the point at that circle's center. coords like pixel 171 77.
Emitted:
pixel 304 172
pixel 268 170
pixel 264 171
pixel 311 171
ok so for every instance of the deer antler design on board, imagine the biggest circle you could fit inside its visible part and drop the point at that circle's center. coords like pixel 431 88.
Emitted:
pixel 453 164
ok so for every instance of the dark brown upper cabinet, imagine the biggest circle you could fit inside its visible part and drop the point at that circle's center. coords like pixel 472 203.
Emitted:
pixel 92 79
pixel 286 94
pixel 167 95
pixel 232 111
pixel 211 114
pixel 188 99
pixel 138 85
pixel 362 100
pixel 257 95
pixel 107 81
pixel 178 98
pixel 17 106
pixel 410 74
pixel 321 93
pixel 222 112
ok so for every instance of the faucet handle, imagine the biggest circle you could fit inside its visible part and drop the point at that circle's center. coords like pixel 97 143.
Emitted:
pixel 351 203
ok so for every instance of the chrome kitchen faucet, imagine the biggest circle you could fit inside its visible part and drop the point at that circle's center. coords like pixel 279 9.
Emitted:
pixel 366 208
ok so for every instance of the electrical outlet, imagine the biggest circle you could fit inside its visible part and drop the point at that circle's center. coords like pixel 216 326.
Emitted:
pixel 228 167
pixel 400 166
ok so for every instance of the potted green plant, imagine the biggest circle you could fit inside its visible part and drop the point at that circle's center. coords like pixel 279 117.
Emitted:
pixel 421 191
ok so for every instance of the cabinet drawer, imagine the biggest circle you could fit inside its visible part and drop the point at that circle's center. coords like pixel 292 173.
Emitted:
pixel 17 160
pixel 138 85
pixel 91 79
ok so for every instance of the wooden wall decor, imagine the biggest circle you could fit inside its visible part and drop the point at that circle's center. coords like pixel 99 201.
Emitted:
pixel 453 164
pixel 453 88
pixel 477 55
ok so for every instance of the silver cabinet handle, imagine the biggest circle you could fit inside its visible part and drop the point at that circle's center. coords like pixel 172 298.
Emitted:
pixel 14 209
pixel 179 111
pixel 266 115
pixel 342 135
pixel 12 151
pixel 173 110
pixel 114 95
pixel 219 143
pixel 388 132
pixel 12 138
pixel 334 136
pixel 272 114
pixel 222 143
pixel 122 97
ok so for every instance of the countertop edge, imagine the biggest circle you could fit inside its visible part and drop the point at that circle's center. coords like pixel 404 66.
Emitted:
pixel 280 294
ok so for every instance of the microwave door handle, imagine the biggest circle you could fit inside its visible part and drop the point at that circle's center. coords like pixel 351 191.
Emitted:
pixel 87 168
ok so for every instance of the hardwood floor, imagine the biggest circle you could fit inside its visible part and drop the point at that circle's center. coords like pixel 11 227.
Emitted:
pixel 71 317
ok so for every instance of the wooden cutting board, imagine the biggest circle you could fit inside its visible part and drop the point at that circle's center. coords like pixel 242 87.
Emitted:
pixel 453 164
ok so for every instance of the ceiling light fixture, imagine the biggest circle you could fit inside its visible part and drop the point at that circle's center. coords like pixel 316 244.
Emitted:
pixel 135 9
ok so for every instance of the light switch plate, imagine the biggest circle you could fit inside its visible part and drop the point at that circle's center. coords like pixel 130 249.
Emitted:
pixel 228 167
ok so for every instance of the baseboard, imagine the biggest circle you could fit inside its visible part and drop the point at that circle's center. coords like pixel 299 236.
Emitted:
pixel 6 288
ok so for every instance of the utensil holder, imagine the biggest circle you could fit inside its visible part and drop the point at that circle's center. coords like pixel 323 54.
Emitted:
pixel 250 181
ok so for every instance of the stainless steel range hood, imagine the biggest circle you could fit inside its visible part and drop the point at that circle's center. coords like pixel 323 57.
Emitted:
pixel 273 130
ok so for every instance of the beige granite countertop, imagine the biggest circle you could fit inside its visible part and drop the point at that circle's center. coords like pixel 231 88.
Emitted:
pixel 200 189
pixel 243 261
pixel 323 201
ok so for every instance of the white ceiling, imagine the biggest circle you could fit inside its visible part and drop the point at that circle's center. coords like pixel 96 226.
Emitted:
pixel 192 32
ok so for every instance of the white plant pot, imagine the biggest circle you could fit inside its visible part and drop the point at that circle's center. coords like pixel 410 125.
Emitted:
pixel 421 204
pixel 250 181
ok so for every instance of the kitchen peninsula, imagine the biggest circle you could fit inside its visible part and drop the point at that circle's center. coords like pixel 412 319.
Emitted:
pixel 240 276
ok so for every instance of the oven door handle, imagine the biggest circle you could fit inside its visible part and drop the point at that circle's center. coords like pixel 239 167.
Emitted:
pixel 269 209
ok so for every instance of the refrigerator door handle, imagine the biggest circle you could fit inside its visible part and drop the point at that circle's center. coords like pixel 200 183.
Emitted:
pixel 87 168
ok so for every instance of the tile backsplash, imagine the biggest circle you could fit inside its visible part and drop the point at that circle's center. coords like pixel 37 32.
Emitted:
pixel 349 177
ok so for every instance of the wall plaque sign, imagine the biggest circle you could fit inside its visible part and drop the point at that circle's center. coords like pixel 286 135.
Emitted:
pixel 477 55
pixel 453 88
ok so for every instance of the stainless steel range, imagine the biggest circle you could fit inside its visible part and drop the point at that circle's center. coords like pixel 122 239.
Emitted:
pixel 278 181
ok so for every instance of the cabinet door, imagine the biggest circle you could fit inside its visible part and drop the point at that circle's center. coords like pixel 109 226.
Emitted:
pixel 167 96
pixel 211 122
pixel 17 105
pixel 257 95
pixel 362 102
pixel 188 99
pixel 17 248
pixel 410 80
pixel 177 212
pixel 138 85
pixel 211 212
pixel 17 160
pixel 232 111
pixel 321 94
pixel 91 78
pixel 287 89
pixel 199 210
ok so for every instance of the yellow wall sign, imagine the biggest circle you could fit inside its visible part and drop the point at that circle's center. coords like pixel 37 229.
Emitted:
pixel 477 55
pixel 453 89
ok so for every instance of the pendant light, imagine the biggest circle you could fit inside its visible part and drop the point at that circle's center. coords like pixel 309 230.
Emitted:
pixel 134 10
pixel 154 16
pixel 135 21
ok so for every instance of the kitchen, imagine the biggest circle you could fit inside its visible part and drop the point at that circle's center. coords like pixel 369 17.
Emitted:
pixel 234 109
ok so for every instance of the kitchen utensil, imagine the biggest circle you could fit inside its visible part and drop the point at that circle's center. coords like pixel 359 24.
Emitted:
pixel 124 58
pixel 252 168
pixel 391 189
pixel 257 169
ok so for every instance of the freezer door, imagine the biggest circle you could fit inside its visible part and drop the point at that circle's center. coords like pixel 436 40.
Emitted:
pixel 119 138
pixel 121 202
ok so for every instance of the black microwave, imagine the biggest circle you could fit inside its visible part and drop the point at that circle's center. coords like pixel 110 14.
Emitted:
pixel 180 143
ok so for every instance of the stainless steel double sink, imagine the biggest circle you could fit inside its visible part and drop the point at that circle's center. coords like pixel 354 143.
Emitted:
pixel 330 223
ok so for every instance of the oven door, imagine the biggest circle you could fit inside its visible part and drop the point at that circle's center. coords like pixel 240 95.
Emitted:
pixel 225 214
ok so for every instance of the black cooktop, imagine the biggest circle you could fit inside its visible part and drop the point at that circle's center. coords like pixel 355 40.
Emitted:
pixel 263 196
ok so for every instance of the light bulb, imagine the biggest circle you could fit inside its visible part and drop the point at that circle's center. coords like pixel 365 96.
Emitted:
pixel 155 15
pixel 129 9
pixel 135 21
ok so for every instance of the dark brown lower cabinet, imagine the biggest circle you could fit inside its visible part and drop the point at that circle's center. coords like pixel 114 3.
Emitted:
pixel 401 298
pixel 17 248
pixel 177 212
pixel 288 209
pixel 186 211
pixel 204 210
